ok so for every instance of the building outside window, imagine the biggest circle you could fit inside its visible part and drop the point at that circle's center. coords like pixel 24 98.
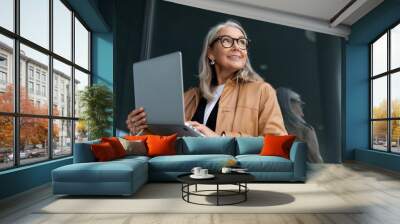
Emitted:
pixel 3 71
pixel 43 90
pixel 3 78
pixel 30 72
pixel 30 87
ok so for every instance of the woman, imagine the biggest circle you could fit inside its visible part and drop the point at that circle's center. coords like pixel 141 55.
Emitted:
pixel 292 109
pixel 232 99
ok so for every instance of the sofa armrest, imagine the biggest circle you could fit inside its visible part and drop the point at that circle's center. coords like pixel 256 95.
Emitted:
pixel 298 155
pixel 83 152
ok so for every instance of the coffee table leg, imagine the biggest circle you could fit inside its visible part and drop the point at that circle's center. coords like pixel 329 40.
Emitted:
pixel 188 189
pixel 196 188
pixel 245 193
pixel 217 194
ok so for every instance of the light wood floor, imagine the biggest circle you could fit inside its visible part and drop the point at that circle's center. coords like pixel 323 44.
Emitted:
pixel 378 188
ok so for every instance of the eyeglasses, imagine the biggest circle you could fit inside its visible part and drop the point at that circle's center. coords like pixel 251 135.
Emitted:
pixel 227 42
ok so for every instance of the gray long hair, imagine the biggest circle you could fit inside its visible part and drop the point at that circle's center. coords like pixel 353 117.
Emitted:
pixel 285 97
pixel 206 71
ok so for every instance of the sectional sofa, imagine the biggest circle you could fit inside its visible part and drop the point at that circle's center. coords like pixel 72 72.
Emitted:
pixel 125 176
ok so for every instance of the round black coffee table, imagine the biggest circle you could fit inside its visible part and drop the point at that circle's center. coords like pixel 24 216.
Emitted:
pixel 238 179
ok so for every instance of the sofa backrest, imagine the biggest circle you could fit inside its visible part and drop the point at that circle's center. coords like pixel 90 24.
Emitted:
pixel 207 145
pixel 83 152
pixel 249 145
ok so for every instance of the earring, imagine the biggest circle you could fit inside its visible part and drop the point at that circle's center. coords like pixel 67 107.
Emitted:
pixel 212 62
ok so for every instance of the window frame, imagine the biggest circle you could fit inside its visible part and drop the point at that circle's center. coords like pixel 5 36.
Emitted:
pixel 16 114
pixel 388 74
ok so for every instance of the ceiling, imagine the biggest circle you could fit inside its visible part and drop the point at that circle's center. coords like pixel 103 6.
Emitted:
pixel 333 17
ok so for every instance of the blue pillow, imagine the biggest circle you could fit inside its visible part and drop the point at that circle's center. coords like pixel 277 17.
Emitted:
pixel 206 145
pixel 249 145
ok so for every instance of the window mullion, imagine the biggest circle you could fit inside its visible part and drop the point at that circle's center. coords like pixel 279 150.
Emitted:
pixel 50 81
pixel 16 84
pixel 389 106
pixel 73 83
pixel 371 89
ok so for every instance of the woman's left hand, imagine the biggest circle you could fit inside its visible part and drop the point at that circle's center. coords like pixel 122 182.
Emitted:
pixel 203 129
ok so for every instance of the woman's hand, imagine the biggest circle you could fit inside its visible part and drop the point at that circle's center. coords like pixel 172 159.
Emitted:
pixel 202 128
pixel 136 121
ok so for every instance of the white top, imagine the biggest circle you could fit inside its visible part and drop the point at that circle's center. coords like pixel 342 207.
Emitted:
pixel 211 103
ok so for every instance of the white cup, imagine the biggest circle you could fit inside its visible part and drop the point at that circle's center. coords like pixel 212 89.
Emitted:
pixel 196 170
pixel 203 172
pixel 226 170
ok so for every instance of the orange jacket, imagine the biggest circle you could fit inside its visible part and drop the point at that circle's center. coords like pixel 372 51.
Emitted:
pixel 245 109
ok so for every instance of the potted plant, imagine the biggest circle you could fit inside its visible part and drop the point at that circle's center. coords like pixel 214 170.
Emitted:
pixel 96 104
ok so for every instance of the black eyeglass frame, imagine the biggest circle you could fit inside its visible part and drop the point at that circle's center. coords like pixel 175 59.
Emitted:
pixel 219 38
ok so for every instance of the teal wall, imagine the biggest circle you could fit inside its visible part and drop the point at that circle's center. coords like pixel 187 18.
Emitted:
pixel 102 62
pixel 24 178
pixel 102 59
pixel 357 85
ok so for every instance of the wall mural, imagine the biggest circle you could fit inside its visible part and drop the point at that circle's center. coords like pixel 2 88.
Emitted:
pixel 304 67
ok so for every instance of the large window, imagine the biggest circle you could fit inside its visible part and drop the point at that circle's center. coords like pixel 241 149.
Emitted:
pixel 385 91
pixel 44 64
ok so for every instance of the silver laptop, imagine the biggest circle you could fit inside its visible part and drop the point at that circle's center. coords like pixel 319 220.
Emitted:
pixel 158 87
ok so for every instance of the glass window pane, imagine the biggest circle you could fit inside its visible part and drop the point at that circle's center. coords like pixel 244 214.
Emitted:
pixel 62 138
pixel 395 47
pixel 62 29
pixel 6 142
pixel 81 131
pixel 395 136
pixel 35 21
pixel 62 89
pixel 7 14
pixel 379 97
pixel 34 78
pixel 81 81
pixel 395 94
pixel 33 140
pixel 379 135
pixel 6 74
pixel 81 45
pixel 379 55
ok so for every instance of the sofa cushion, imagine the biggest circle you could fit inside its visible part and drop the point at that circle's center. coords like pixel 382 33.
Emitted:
pixel 161 145
pixel 249 145
pixel 111 171
pixel 185 163
pixel 277 145
pixel 206 145
pixel 134 147
pixel 103 152
pixel 116 145
pixel 257 163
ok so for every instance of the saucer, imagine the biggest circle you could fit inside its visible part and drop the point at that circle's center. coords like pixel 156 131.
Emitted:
pixel 208 176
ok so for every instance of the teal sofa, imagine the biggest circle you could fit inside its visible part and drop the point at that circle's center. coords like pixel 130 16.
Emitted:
pixel 125 176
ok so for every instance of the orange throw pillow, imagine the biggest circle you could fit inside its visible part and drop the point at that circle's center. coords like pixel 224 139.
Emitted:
pixel 161 145
pixel 103 152
pixel 116 145
pixel 277 145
